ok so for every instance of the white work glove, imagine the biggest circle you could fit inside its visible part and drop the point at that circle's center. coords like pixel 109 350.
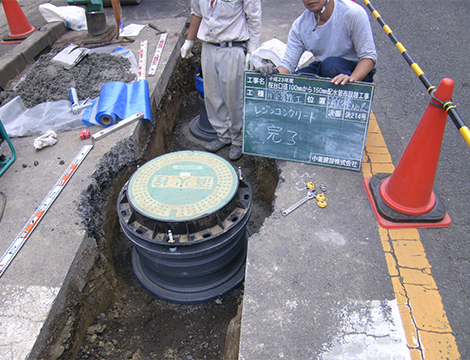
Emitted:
pixel 186 49
pixel 49 138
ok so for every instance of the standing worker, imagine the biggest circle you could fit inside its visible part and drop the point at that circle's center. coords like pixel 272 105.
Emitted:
pixel 339 35
pixel 229 29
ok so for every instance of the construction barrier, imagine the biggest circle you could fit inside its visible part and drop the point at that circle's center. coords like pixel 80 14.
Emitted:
pixel 448 106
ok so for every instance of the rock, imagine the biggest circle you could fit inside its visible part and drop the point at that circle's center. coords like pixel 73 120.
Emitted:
pixel 96 329
pixel 232 340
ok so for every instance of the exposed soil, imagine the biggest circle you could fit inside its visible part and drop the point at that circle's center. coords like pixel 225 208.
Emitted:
pixel 139 326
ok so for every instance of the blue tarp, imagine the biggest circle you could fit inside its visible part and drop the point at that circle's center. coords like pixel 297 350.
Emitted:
pixel 119 101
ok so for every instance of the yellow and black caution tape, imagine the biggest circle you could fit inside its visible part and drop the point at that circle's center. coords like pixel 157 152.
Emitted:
pixel 448 106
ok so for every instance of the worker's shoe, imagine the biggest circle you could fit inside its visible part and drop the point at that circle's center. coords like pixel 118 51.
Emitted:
pixel 215 145
pixel 235 152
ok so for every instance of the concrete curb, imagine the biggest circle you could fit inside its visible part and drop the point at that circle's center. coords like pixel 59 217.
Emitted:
pixel 14 62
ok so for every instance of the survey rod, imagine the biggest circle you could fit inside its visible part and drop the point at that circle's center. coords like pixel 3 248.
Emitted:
pixel 448 106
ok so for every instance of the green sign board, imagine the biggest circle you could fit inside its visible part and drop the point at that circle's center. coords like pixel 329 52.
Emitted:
pixel 306 119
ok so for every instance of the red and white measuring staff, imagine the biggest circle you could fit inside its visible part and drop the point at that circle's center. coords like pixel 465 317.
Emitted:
pixel 157 55
pixel 19 241
pixel 21 238
pixel 142 60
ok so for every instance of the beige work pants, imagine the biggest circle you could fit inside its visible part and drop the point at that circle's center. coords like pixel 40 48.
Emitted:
pixel 222 70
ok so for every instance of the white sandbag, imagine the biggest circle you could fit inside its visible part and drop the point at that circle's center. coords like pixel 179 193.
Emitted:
pixel 73 16
pixel 273 50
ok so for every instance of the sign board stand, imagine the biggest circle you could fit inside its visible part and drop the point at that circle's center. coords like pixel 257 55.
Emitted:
pixel 306 119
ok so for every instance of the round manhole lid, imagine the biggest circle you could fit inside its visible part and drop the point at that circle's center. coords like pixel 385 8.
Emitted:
pixel 181 186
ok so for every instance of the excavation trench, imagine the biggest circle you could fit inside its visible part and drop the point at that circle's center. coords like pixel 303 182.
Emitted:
pixel 105 312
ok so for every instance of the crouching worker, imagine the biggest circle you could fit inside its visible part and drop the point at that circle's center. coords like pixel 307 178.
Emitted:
pixel 229 29
pixel 339 35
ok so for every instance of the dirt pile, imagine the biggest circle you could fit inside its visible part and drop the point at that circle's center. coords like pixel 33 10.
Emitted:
pixel 48 80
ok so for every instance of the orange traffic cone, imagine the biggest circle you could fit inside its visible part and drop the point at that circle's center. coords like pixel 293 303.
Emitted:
pixel 405 199
pixel 17 22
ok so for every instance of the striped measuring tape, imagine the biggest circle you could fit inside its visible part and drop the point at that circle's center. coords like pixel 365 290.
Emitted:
pixel 158 54
pixel 142 60
pixel 21 238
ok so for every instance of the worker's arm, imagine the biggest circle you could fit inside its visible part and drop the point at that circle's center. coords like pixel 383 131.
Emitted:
pixel 252 10
pixel 363 68
pixel 193 27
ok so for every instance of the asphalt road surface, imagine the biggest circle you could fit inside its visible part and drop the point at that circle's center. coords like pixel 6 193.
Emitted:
pixel 435 34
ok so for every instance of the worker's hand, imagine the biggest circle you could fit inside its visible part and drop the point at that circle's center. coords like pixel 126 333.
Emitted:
pixel 268 69
pixel 248 63
pixel 186 49
pixel 342 79
pixel 264 66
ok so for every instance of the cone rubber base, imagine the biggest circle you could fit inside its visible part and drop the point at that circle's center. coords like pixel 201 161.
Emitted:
pixel 14 39
pixel 199 131
pixel 389 218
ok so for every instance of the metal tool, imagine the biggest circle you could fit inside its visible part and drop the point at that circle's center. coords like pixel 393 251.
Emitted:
pixel 310 195
pixel 70 56
pixel 92 45
pixel 240 174
pixel 76 105
pixel 156 29
pixel 109 130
